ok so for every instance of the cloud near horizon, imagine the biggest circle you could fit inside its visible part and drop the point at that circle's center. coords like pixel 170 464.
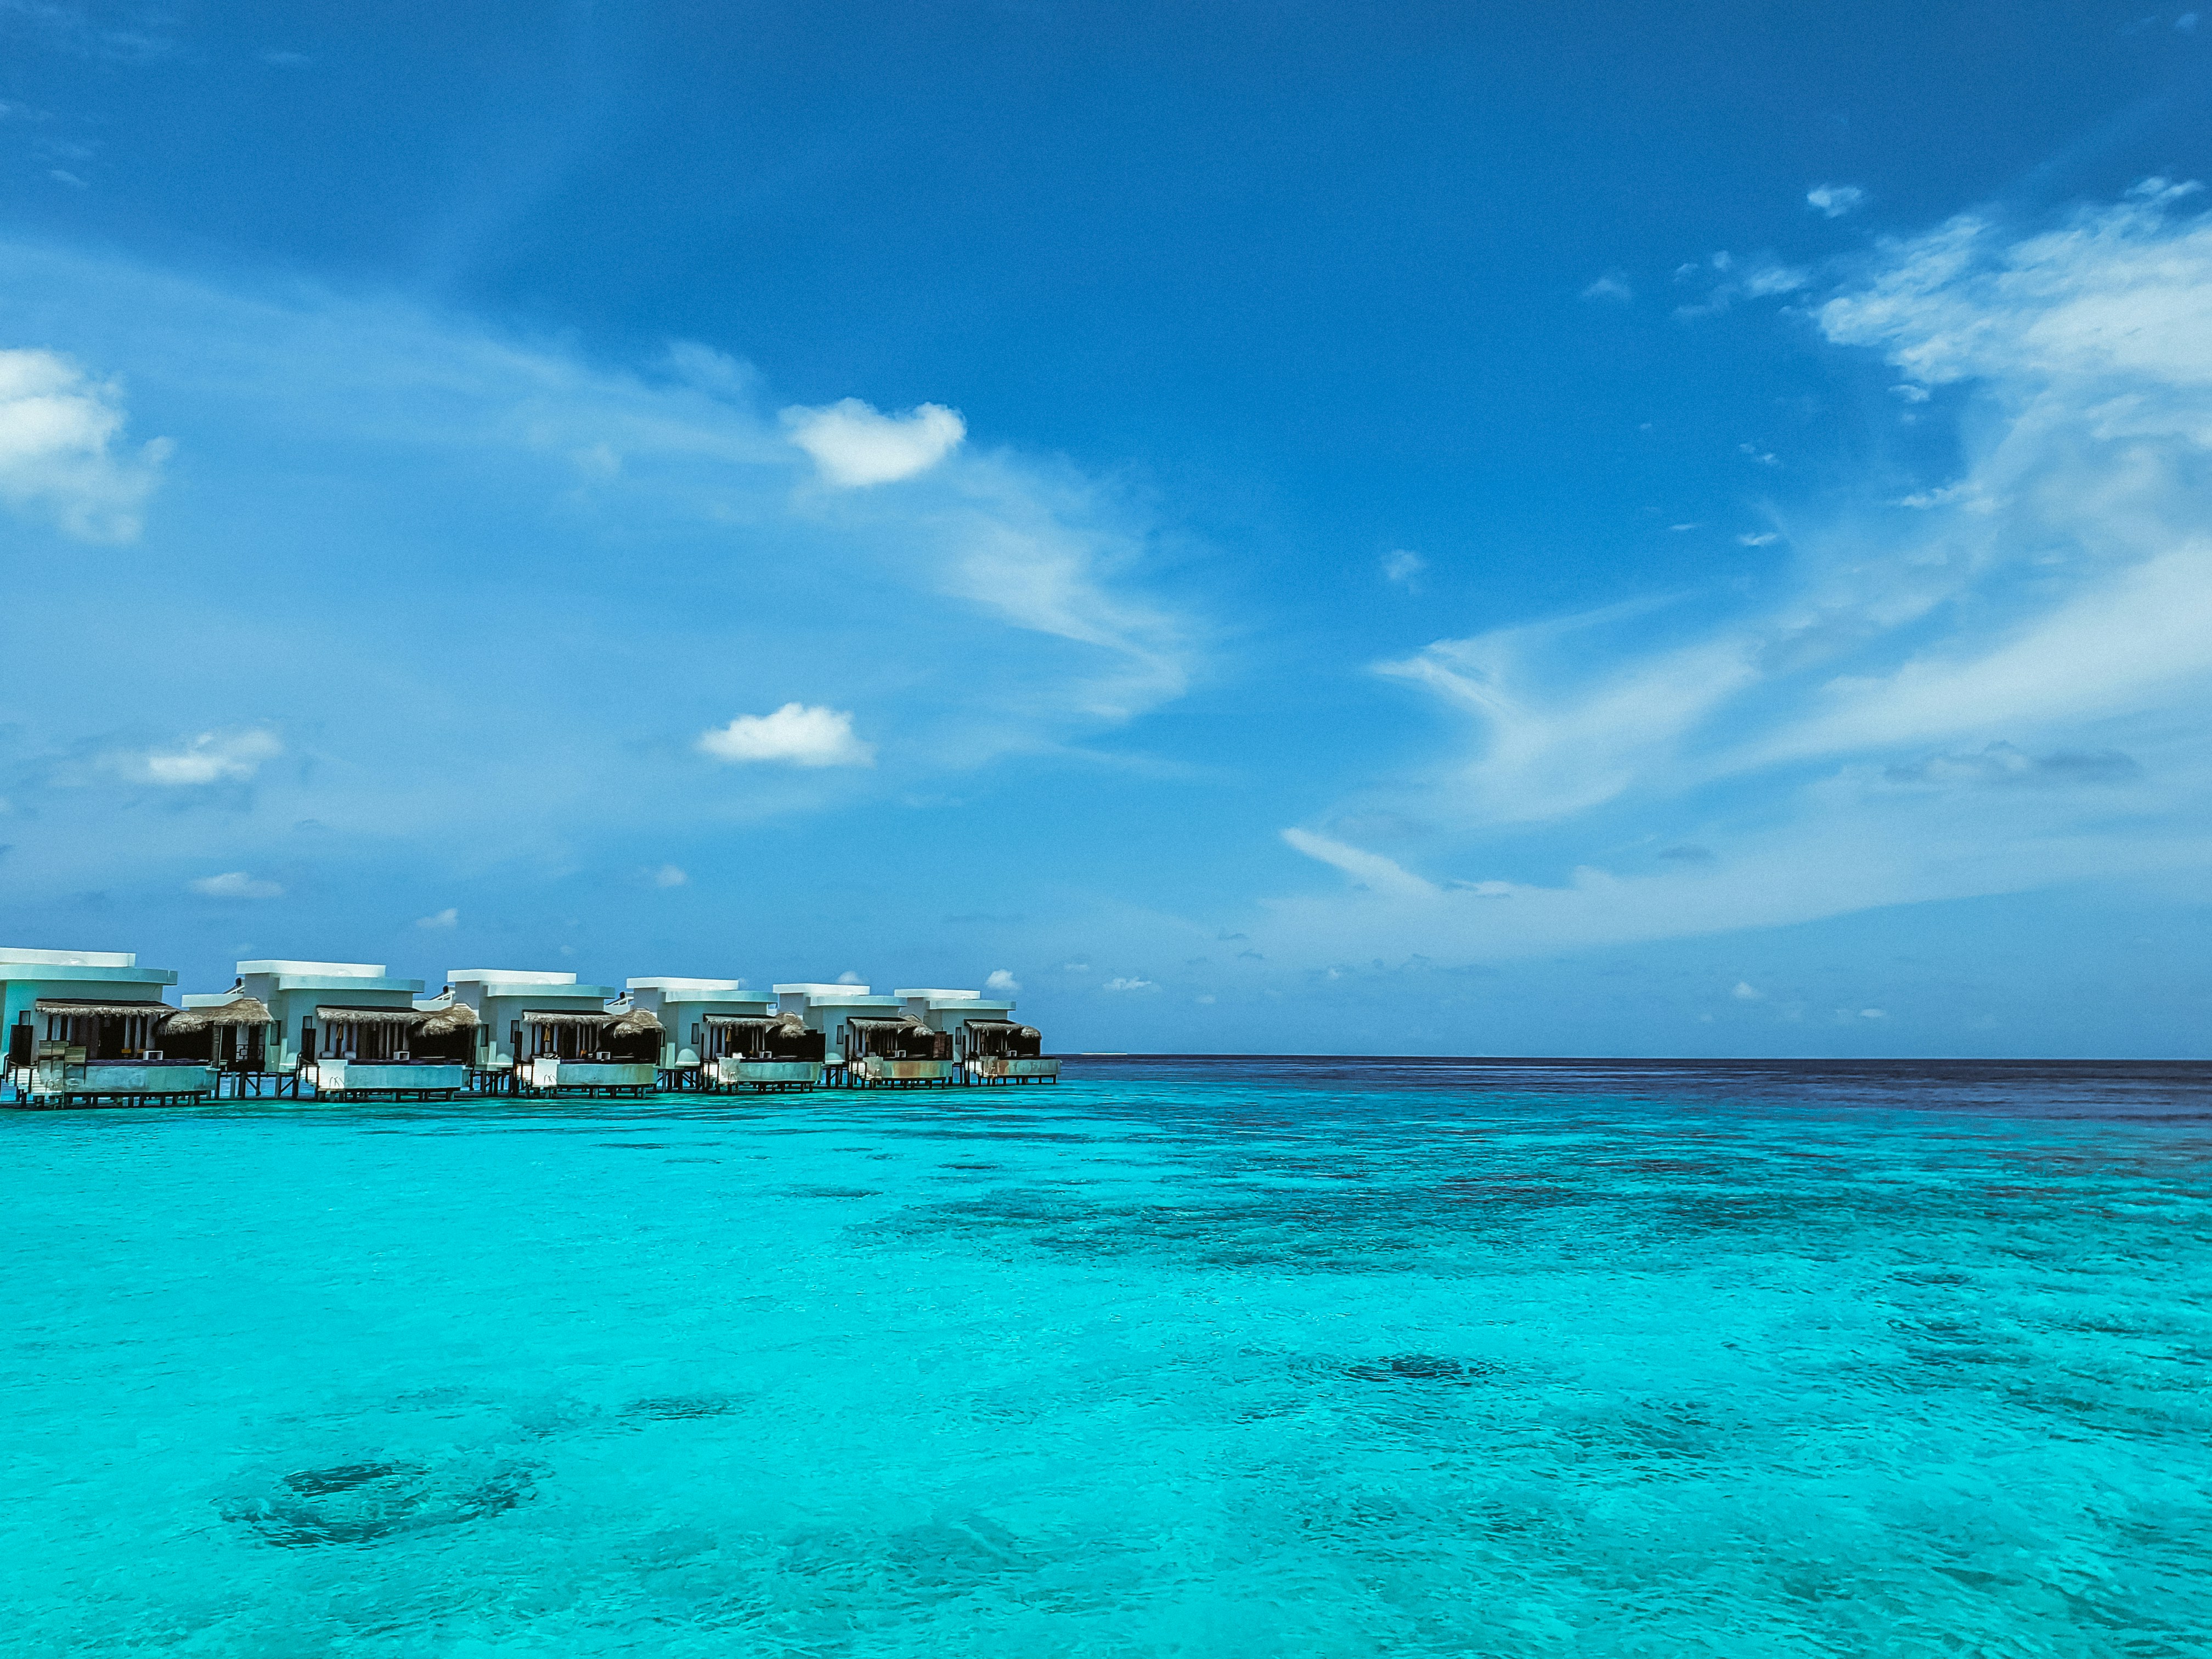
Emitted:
pixel 1863 741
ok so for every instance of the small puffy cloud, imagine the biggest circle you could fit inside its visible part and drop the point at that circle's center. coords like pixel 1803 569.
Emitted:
pixel 795 735
pixel 1834 201
pixel 670 875
pixel 1763 456
pixel 1874 1014
pixel 1131 985
pixel 235 885
pixel 1003 981
pixel 848 977
pixel 1763 538
pixel 854 447
pixel 447 918
pixel 59 450
pixel 1074 967
pixel 211 757
pixel 1404 567
pixel 1612 287
pixel 1747 992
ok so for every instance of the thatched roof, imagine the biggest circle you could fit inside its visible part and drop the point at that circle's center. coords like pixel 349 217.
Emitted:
pixel 238 1011
pixel 901 1023
pixel 558 1017
pixel 636 1023
pixel 783 1027
pixel 458 1016
pixel 339 1014
pixel 77 1007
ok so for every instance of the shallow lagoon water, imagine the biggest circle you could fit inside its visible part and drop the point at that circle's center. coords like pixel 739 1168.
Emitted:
pixel 1212 1358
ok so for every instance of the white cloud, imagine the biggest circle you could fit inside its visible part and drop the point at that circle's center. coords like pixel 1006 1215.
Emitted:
pixel 1745 992
pixel 60 454
pixel 449 917
pixel 1002 982
pixel 1001 604
pixel 1370 870
pixel 848 977
pixel 1613 286
pixel 211 757
pixel 1404 567
pixel 795 734
pixel 235 885
pixel 2008 688
pixel 854 447
pixel 1764 539
pixel 670 875
pixel 1834 201
pixel 1770 280
pixel 1131 985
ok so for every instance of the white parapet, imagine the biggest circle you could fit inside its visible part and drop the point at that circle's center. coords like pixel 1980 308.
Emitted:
pixel 314 970
pixel 11 955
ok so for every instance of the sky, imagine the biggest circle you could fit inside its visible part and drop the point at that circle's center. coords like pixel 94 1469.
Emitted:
pixel 1339 528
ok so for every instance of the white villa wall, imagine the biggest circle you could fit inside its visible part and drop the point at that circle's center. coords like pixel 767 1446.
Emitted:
pixel 502 995
pixel 951 1011
pixel 26 975
pixel 825 1008
pixel 293 990
pixel 680 1005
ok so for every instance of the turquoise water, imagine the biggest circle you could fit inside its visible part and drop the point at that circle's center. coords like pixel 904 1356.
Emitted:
pixel 1197 1360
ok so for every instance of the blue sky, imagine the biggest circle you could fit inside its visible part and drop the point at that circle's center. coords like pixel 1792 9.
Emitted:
pixel 1415 529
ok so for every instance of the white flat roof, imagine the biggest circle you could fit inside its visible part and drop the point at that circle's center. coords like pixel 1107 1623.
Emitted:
pixel 506 977
pixel 665 984
pixel 69 958
pixel 321 969
pixel 823 990
pixel 510 991
pixel 948 996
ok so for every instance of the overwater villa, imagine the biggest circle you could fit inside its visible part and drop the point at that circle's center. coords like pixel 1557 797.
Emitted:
pixel 543 1033
pixel 871 1041
pixel 719 1035
pixel 341 1030
pixel 989 1044
pixel 85 1026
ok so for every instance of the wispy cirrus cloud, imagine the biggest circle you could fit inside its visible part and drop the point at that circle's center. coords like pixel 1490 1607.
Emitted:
pixel 235 885
pixel 995 603
pixel 1998 684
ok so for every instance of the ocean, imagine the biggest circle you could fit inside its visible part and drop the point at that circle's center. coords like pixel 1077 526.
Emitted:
pixel 1204 1358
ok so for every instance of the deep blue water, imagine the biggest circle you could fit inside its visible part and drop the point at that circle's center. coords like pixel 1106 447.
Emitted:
pixel 1190 1357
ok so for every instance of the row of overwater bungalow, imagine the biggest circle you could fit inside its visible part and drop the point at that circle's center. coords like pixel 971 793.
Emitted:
pixel 87 1027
